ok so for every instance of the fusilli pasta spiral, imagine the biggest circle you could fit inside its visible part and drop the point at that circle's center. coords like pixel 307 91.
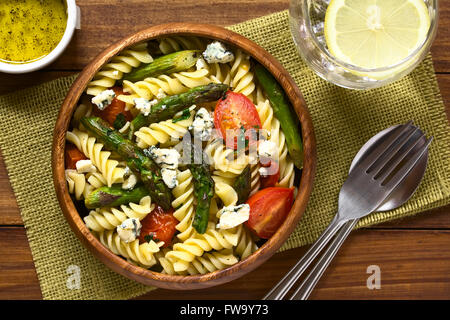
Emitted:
pixel 225 191
pixel 173 44
pixel 224 159
pixel 272 126
pixel 120 64
pixel 241 76
pixel 81 185
pixel 212 261
pixel 185 252
pixel 183 204
pixel 100 158
pixel 109 218
pixel 163 132
pixel 174 83
pixel 142 254
pixel 246 245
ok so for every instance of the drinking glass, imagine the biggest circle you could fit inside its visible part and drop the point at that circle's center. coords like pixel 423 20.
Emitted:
pixel 307 27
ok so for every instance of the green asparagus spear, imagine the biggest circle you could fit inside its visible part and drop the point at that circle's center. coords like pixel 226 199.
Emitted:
pixel 283 112
pixel 137 161
pixel 173 62
pixel 114 196
pixel 169 106
pixel 203 189
pixel 242 185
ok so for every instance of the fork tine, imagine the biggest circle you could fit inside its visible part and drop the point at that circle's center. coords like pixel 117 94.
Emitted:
pixel 383 147
pixel 390 152
pixel 406 168
pixel 396 158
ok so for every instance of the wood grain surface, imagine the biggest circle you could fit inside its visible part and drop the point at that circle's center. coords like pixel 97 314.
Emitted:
pixel 412 253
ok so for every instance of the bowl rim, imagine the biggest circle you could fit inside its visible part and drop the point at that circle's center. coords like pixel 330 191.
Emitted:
pixel 40 63
pixel 157 279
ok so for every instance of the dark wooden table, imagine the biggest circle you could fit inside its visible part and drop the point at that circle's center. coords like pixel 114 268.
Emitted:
pixel 413 254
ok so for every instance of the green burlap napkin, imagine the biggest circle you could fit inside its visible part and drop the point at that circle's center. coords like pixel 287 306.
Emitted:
pixel 343 119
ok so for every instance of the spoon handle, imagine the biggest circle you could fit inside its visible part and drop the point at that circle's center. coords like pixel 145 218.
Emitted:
pixel 305 289
pixel 286 283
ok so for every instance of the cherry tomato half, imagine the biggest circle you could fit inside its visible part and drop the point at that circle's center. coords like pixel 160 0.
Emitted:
pixel 158 225
pixel 110 113
pixel 268 209
pixel 233 114
pixel 72 156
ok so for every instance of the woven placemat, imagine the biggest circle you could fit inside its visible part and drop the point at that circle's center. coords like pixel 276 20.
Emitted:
pixel 343 119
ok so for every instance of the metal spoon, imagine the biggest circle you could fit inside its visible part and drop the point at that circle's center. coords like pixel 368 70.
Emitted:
pixel 398 197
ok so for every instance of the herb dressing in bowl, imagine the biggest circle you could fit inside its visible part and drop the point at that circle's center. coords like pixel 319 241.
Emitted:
pixel 33 33
pixel 29 30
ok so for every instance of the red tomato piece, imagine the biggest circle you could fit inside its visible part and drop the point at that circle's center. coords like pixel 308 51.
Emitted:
pixel 271 179
pixel 72 156
pixel 158 225
pixel 110 113
pixel 268 209
pixel 234 113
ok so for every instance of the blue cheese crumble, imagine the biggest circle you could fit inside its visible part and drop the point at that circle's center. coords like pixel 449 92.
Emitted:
pixel 129 230
pixel 103 99
pixel 168 160
pixel 201 64
pixel 144 106
pixel 129 182
pixel 216 52
pixel 232 216
pixel 202 125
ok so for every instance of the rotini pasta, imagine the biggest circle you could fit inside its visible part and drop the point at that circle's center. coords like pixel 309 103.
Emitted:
pixel 163 132
pixel 212 261
pixel 174 83
pixel 184 253
pixel 141 254
pixel 224 159
pixel 100 158
pixel 225 192
pixel 184 204
pixel 120 64
pixel 109 218
pixel 173 44
pixel 246 245
pixel 272 126
pixel 241 76
pixel 80 184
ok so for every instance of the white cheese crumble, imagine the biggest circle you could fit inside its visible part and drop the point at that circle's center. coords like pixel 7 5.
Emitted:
pixel 160 95
pixel 129 182
pixel 216 52
pixel 129 230
pixel 168 160
pixel 144 105
pixel 85 166
pixel 267 149
pixel 169 177
pixel 202 125
pixel 233 216
pixel 104 99
pixel 201 64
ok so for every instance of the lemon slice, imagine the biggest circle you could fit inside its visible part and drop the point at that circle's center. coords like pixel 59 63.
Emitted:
pixel 375 33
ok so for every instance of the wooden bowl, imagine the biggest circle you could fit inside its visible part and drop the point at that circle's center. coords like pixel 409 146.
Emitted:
pixel 174 281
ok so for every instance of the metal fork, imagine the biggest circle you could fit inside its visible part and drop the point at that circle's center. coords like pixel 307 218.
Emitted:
pixel 367 186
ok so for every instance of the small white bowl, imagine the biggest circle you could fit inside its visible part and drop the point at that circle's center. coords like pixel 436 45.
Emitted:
pixel 55 53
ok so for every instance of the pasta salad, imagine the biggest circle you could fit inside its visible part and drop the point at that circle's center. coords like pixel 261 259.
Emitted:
pixel 183 155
